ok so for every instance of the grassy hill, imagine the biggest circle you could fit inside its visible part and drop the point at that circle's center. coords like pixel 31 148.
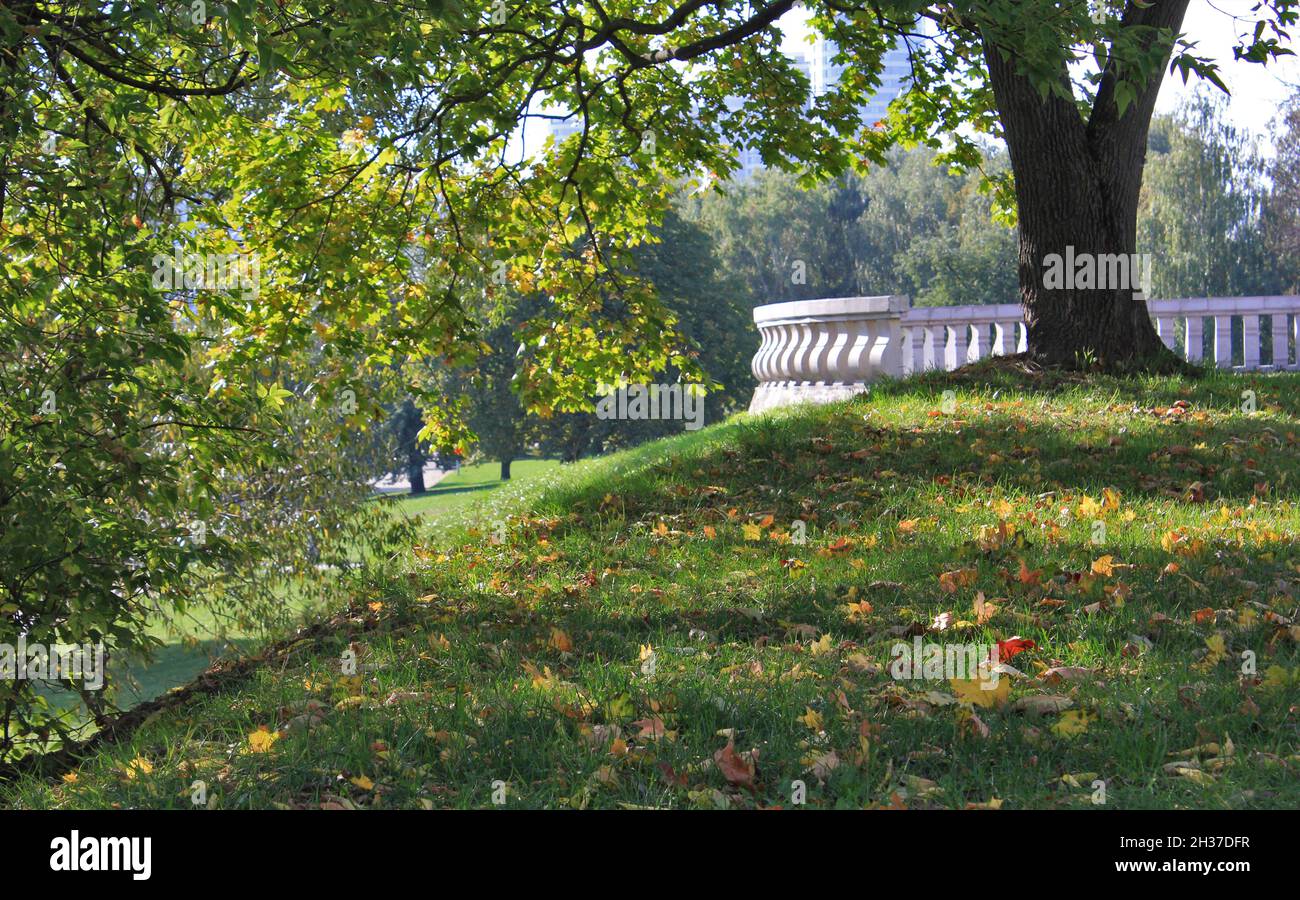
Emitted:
pixel 657 630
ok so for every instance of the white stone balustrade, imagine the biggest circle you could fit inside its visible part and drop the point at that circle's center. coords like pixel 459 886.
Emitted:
pixel 823 350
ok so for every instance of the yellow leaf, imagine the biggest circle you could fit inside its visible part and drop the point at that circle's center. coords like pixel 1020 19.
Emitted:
pixel 1088 508
pixel 138 766
pixel 822 646
pixel 560 641
pixel 261 740
pixel 812 718
pixel 1072 722
pixel 1104 565
pixel 362 782
pixel 981 691
pixel 752 532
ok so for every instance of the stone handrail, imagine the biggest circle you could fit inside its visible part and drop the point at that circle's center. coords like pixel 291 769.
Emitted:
pixel 822 350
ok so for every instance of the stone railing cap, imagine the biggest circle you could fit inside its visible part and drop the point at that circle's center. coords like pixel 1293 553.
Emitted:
pixel 833 308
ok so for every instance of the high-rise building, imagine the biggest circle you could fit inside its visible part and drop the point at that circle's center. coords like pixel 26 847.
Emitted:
pixel 895 71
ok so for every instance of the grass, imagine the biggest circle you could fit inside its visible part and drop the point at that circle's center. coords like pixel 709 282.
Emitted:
pixel 654 633
pixel 460 489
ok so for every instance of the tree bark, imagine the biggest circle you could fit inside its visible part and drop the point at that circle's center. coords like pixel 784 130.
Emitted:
pixel 505 468
pixel 415 474
pixel 1077 186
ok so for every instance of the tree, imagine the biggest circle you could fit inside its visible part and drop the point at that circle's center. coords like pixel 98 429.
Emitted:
pixel 1202 207
pixel 1283 203
pixel 411 453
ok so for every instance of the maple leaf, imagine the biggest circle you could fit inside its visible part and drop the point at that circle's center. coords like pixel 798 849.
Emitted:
pixel 1072 722
pixel 983 609
pixel 1012 646
pixel 362 782
pixel 981 691
pixel 1104 565
pixel 138 766
pixel 560 641
pixel 1057 674
pixel 261 740
pixel 710 532
pixel 1088 508
pixel 649 728
pixel 752 532
pixel 812 718
pixel 952 581
pixel 734 767
pixel 1029 576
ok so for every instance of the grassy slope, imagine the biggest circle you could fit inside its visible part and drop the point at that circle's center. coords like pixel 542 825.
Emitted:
pixel 522 663
pixel 470 485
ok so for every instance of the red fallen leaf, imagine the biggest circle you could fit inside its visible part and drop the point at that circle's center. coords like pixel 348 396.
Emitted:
pixel 1029 576
pixel 1203 615
pixel 734 767
pixel 841 545
pixel 650 728
pixel 671 776
pixel 1013 646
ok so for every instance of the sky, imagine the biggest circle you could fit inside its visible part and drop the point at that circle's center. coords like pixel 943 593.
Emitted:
pixel 1257 91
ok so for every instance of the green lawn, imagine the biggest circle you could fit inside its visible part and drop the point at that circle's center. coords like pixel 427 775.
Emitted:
pixel 654 633
pixel 471 483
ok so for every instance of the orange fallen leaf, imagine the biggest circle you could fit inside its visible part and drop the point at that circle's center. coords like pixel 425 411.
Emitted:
pixel 734 767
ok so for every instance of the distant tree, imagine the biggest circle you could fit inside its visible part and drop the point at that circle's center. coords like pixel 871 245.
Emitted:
pixel 908 227
pixel 410 452
pixel 1201 213
pixel 1282 220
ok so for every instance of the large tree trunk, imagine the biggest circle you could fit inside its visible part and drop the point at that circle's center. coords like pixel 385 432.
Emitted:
pixel 1077 186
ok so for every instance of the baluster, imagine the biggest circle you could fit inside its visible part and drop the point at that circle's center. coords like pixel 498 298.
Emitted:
pixel 1165 328
pixel 978 342
pixel 957 347
pixel 1281 352
pixel 1193 341
pixel 1250 341
pixel 932 346
pixel 819 338
pixel 1223 341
